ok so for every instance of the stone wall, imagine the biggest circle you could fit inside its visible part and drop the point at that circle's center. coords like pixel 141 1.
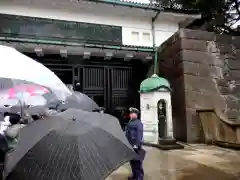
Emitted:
pixel 204 71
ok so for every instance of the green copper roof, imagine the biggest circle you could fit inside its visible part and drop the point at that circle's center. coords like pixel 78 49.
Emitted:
pixel 154 83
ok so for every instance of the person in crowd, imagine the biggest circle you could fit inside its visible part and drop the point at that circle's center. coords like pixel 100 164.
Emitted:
pixel 12 133
pixel 9 131
pixel 26 119
pixel 77 86
pixel 102 110
pixel 47 113
pixel 4 124
pixel 134 134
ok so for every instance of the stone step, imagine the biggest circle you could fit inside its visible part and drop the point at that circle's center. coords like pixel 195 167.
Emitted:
pixel 167 141
pixel 166 144
pixel 165 147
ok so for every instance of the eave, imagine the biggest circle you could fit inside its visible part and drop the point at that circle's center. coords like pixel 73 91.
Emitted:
pixel 146 6
pixel 128 4
pixel 79 44
pixel 85 50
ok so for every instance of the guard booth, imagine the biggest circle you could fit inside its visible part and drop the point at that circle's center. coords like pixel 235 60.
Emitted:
pixel 156 112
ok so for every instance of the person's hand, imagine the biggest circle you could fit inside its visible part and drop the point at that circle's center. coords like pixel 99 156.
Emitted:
pixel 135 147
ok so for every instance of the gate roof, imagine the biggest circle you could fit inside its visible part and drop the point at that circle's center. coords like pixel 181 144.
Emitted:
pixel 52 47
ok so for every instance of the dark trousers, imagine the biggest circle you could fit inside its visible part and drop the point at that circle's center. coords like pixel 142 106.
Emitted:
pixel 3 150
pixel 137 169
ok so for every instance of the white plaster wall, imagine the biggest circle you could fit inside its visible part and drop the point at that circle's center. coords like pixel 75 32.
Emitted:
pixel 164 29
pixel 139 21
pixel 149 117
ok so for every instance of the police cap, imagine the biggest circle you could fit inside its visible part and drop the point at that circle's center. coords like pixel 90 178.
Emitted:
pixel 133 110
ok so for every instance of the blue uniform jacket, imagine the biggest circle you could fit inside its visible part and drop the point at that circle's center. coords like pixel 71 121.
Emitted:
pixel 134 132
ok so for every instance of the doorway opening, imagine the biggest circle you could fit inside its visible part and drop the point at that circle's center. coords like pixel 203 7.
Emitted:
pixel 162 118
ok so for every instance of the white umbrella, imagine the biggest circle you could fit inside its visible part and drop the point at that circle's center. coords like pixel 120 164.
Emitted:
pixel 15 65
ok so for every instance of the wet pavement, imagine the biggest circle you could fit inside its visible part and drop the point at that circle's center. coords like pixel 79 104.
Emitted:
pixel 195 162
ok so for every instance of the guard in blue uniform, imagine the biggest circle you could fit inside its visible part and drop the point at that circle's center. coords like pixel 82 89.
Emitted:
pixel 134 133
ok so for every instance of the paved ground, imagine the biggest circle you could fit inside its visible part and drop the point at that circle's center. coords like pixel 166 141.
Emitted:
pixel 195 162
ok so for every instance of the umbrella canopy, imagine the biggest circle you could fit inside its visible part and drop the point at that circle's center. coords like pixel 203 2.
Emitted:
pixel 13 92
pixel 36 98
pixel 15 65
pixel 75 144
pixel 79 101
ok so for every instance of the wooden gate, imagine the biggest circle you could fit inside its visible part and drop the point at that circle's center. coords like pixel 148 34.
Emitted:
pixel 109 86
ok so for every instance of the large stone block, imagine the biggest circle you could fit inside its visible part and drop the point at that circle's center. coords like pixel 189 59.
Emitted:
pixel 190 68
pixel 223 39
pixel 194 128
pixel 233 94
pixel 193 44
pixel 225 48
pixel 231 103
pixel 228 56
pixel 236 41
pixel 233 64
pixel 216 72
pixel 198 57
pixel 196 34
pixel 222 82
pixel 216 61
pixel 178 96
pixel 232 114
pixel 172 61
pixel 177 58
pixel 219 102
pixel 235 74
pixel 197 100
pixel 171 51
pixel 204 70
pixel 200 84
pixel 224 90
pixel 235 91
pixel 179 123
pixel 237 54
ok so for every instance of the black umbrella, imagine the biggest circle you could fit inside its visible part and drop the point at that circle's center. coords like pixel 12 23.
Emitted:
pixel 73 145
pixel 79 101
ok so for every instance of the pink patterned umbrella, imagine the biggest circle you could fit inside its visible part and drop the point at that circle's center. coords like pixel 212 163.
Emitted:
pixel 29 94
pixel 24 90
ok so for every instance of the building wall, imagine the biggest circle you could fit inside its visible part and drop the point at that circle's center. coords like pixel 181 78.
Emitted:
pixel 136 23
pixel 203 69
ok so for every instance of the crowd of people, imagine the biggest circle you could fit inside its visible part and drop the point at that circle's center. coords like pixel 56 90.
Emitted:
pixel 12 123
pixel 10 126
